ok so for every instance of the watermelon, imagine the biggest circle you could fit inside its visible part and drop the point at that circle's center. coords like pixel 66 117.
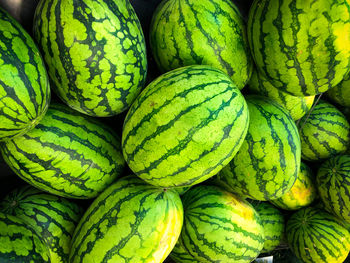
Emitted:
pixel 95 53
pixel 20 243
pixel 131 221
pixel 53 218
pixel 219 226
pixel 24 84
pixel 68 154
pixel 323 133
pixel 301 47
pixel 207 32
pixel 333 180
pixel 340 94
pixel 302 193
pixel 316 236
pixel 297 106
pixel 267 164
pixel 184 127
pixel 180 255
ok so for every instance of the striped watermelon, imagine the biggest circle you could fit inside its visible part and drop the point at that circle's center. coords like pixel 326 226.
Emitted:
pixel 95 53
pixel 267 164
pixel 24 84
pixel 302 47
pixel 340 94
pixel 323 133
pixel 333 180
pixel 53 218
pixel 297 106
pixel 180 255
pixel 316 236
pixel 206 32
pixel 220 227
pixel 302 193
pixel 20 243
pixel 184 127
pixel 67 154
pixel 131 221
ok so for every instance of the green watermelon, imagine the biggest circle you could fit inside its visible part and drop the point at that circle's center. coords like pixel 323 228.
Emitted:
pixel 24 84
pixel 184 127
pixel 206 32
pixel 302 193
pixel 323 133
pixel 19 243
pixel 180 255
pixel 95 53
pixel 333 180
pixel 267 164
pixel 53 218
pixel 131 221
pixel 297 106
pixel 340 94
pixel 316 236
pixel 68 154
pixel 301 47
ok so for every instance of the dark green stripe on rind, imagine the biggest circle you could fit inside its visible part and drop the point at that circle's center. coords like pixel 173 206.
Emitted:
pixel 316 236
pixel 184 127
pixel 24 84
pixel 19 243
pixel 220 227
pixel 209 32
pixel 302 47
pixel 53 218
pixel 131 221
pixel 95 52
pixel 67 154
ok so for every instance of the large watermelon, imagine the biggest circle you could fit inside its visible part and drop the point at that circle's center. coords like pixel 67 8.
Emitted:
pixel 19 243
pixel 220 227
pixel 53 218
pixel 316 236
pixel 301 46
pixel 68 154
pixel 24 84
pixel 207 32
pixel 184 127
pixel 95 53
pixel 131 221
pixel 267 164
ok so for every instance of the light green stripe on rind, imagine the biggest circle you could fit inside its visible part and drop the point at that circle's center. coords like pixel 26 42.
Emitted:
pixel 95 52
pixel 220 227
pixel 302 47
pixel 323 133
pixel 19 243
pixel 207 32
pixel 53 218
pixel 67 154
pixel 316 236
pixel 131 221
pixel 24 84
pixel 184 127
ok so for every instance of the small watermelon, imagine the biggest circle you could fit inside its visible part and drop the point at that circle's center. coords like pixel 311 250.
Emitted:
pixel 180 255
pixel 340 94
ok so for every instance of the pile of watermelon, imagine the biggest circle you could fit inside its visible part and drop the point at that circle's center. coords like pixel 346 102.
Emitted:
pixel 175 131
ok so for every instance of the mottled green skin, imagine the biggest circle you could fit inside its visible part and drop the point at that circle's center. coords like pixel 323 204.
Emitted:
pixel 24 84
pixel 297 106
pixel 267 164
pixel 180 255
pixel 316 236
pixel 206 32
pixel 273 223
pixel 184 127
pixel 53 218
pixel 340 94
pixel 333 180
pixel 131 221
pixel 20 243
pixel 68 154
pixel 302 193
pixel 323 133
pixel 302 47
pixel 95 53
